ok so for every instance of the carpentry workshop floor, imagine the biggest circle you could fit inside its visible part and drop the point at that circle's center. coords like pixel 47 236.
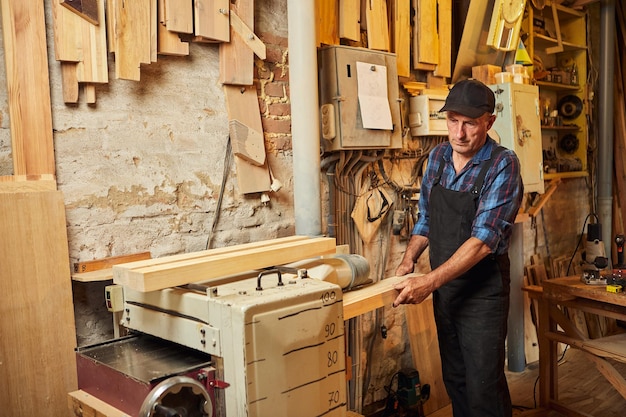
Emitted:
pixel 580 385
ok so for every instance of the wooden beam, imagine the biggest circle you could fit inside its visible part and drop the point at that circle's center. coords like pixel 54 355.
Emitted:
pixel 218 265
pixel 370 297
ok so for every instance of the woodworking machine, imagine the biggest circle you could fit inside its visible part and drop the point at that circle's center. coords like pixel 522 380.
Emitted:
pixel 267 342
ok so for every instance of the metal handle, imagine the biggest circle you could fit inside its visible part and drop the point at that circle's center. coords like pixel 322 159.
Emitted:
pixel 267 272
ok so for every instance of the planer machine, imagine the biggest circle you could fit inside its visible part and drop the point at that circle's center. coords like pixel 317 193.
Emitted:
pixel 263 342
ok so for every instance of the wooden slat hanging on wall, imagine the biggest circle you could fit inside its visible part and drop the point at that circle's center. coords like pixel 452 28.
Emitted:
pixel 28 86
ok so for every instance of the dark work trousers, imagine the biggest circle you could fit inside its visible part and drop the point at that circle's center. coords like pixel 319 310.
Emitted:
pixel 470 312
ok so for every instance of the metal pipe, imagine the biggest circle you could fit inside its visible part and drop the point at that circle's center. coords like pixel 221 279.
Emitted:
pixel 606 106
pixel 305 131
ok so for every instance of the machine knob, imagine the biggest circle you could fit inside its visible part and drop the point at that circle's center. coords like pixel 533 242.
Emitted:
pixel 176 396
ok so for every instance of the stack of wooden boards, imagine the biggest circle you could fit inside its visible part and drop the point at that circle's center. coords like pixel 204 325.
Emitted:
pixel 211 264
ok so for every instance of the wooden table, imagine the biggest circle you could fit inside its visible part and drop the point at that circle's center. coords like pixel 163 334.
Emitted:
pixel 573 293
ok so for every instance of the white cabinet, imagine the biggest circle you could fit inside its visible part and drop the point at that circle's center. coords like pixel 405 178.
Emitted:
pixel 518 127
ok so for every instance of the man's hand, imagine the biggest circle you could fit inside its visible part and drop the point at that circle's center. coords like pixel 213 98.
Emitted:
pixel 413 290
pixel 405 268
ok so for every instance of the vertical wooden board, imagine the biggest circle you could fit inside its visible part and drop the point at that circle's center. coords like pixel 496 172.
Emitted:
pixel 154 30
pixel 67 42
pixel 132 37
pixel 326 15
pixel 211 19
pixel 236 58
pixel 444 29
pixel 93 68
pixel 111 24
pixel 28 86
pixel 168 43
pixel 179 16
pixel 349 19
pixel 401 18
pixel 37 361
pixel 425 350
pixel 427 35
pixel 243 105
pixel 377 25
pixel 70 82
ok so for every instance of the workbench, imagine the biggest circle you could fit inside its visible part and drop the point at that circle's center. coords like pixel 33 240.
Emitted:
pixel 572 293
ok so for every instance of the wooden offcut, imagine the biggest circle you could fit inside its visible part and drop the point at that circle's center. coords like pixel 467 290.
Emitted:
pixel 211 19
pixel 349 19
pixel 37 359
pixel 28 86
pixel 444 28
pixel 377 25
pixel 247 143
pixel 326 16
pixel 243 105
pixel 179 16
pixel 132 38
pixel 236 58
pixel 401 23
pixel 425 35
pixel 83 404
pixel 168 43
pixel 215 265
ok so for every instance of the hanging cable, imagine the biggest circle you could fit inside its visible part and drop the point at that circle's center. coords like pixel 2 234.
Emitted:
pixel 218 207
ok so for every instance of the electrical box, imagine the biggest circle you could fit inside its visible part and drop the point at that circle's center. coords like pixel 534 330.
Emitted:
pixel 360 106
pixel 518 127
pixel 425 119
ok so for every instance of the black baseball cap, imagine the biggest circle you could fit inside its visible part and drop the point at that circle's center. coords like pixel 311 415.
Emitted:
pixel 470 98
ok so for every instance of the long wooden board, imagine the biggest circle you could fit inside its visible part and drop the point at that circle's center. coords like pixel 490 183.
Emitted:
pixel 209 267
pixel 349 19
pixel 28 86
pixel 401 21
pixel 371 297
pixel 326 15
pixel 444 29
pixel 377 25
pixel 37 360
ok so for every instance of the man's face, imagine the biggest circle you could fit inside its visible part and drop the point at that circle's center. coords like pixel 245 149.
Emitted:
pixel 468 135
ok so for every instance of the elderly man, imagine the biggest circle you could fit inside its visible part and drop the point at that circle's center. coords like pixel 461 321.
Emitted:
pixel 470 194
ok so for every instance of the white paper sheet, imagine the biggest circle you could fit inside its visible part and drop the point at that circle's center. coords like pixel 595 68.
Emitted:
pixel 372 91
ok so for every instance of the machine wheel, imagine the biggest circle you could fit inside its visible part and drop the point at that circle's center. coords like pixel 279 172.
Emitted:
pixel 178 396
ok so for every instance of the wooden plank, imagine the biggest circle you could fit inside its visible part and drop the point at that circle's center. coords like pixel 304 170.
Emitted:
pixel 349 19
pixel 111 23
pixel 211 19
pixel 70 82
pixel 217 266
pixel 132 38
pixel 444 29
pixel 67 43
pixel 94 276
pixel 83 404
pixel 326 15
pixel 377 25
pixel 370 297
pixel 28 86
pixel 247 143
pixel 236 58
pixel 93 68
pixel 179 16
pixel 168 43
pixel 426 37
pixel 27 183
pixel 425 351
pixel 243 105
pixel 97 264
pixel 38 341
pixel 165 260
pixel 247 34
pixel 401 18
